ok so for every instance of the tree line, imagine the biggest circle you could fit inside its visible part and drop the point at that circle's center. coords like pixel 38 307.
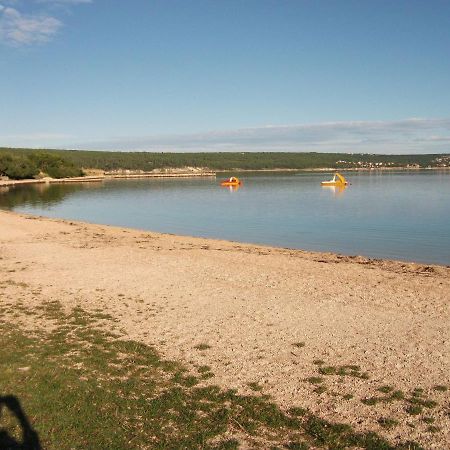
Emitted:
pixel 59 163
pixel 18 165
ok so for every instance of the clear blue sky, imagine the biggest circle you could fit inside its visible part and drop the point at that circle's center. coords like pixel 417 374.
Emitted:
pixel 164 74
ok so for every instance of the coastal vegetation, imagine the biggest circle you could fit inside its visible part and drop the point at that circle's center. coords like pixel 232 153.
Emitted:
pixel 19 165
pixel 97 390
pixel 147 161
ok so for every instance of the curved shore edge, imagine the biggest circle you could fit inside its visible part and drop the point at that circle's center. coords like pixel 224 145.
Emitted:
pixel 109 176
pixel 99 178
pixel 264 314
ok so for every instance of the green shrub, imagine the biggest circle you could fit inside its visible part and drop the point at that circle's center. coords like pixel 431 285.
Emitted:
pixel 55 166
pixel 17 167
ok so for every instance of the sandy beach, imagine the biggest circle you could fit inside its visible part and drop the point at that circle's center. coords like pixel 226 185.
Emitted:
pixel 266 315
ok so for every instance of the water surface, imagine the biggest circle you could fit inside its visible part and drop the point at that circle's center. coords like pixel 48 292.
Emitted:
pixel 398 215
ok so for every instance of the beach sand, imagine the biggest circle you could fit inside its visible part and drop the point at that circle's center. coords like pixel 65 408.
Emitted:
pixel 251 305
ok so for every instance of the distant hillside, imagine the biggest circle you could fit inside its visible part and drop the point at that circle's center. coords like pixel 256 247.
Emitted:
pixel 110 161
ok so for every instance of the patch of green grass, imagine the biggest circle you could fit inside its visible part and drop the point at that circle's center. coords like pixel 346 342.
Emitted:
pixel 440 388
pixel 320 389
pixel 85 388
pixel 414 410
pixel 417 392
pixel 397 395
pixel 433 429
pixel 347 396
pixel 387 422
pixel 344 370
pixel 371 401
pixel 207 375
pixel 297 446
pixel 340 437
pixel 328 370
pixel 254 386
pixel 299 344
pixel 393 396
pixel 202 347
pixel 426 403
pixel 181 379
pixel 363 376
pixel 229 444
pixel 428 419
pixel 297 411
pixel 318 362
pixel 385 389
pixel 13 283
pixel 315 380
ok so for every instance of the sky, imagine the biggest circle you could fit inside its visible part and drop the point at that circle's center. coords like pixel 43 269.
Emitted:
pixel 369 76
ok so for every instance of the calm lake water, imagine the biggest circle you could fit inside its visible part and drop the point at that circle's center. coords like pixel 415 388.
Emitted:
pixel 398 215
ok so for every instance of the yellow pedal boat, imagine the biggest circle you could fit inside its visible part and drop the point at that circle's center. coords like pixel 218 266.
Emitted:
pixel 337 180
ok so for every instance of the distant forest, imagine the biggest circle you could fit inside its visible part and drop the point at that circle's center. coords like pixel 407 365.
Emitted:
pixel 145 161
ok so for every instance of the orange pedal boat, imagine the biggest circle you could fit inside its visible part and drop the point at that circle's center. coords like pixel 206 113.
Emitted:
pixel 232 181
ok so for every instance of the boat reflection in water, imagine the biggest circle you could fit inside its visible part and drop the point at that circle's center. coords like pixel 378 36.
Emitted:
pixel 337 189
pixel 234 188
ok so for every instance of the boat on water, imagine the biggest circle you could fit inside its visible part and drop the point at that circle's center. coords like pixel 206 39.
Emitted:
pixel 337 180
pixel 232 181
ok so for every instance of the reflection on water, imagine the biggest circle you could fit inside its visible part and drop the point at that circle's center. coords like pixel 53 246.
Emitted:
pixel 336 190
pixel 41 195
pixel 231 188
pixel 400 215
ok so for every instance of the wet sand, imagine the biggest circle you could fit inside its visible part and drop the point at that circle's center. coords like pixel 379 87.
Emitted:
pixel 251 305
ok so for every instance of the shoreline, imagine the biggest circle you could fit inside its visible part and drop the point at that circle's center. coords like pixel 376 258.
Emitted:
pixel 393 264
pixel 100 178
pixel 331 169
pixel 108 176
pixel 263 314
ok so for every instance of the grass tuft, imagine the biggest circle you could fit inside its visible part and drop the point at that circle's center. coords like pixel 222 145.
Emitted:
pixel 299 344
pixel 387 423
pixel 202 347
pixel 385 389
pixel 440 388
pixel 344 370
pixel 414 410
pixel 297 446
pixel 297 411
pixel 315 380
pixel 320 389
pixel 254 386
pixel 428 420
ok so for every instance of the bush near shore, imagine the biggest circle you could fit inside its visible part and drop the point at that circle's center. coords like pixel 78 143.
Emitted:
pixel 146 161
pixel 23 165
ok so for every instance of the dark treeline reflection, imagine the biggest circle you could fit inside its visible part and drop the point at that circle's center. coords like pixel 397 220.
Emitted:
pixel 38 194
pixel 44 195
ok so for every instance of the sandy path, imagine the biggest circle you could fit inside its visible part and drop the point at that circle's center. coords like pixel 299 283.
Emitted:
pixel 250 305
